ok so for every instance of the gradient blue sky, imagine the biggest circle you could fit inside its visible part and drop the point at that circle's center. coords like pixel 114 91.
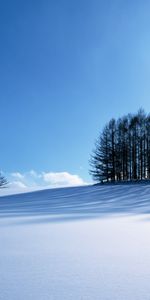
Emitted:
pixel 66 68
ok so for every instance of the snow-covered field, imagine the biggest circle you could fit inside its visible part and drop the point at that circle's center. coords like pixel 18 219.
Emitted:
pixel 89 242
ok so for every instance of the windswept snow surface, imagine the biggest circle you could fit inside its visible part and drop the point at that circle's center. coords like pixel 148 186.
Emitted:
pixel 76 243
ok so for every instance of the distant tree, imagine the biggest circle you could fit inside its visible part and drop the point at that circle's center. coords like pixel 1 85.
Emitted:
pixel 122 151
pixel 3 181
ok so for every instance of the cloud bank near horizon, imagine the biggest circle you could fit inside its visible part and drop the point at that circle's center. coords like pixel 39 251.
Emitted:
pixel 32 180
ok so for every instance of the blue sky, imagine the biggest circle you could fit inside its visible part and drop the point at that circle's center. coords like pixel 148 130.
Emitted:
pixel 67 67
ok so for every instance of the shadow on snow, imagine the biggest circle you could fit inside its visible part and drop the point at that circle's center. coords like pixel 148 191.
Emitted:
pixel 69 204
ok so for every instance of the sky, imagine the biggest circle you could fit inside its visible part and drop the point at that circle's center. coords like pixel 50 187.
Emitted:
pixel 66 68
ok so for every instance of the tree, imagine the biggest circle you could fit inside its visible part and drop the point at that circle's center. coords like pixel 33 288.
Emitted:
pixel 3 181
pixel 122 151
pixel 100 159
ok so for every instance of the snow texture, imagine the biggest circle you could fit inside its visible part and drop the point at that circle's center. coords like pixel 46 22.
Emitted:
pixel 76 243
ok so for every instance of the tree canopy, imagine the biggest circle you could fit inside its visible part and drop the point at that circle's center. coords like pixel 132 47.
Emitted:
pixel 122 151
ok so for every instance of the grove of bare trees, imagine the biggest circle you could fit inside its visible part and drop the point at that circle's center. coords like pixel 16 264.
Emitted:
pixel 122 151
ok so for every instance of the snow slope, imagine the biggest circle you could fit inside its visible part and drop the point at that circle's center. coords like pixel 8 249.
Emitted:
pixel 76 243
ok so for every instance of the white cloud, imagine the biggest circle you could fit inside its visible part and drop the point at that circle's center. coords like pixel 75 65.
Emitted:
pixel 34 174
pixel 17 175
pixel 17 184
pixel 61 179
pixel 32 180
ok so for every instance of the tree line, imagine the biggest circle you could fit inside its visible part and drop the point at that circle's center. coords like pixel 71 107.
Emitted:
pixel 122 151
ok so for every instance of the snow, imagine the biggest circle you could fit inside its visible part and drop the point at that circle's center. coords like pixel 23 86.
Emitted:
pixel 76 243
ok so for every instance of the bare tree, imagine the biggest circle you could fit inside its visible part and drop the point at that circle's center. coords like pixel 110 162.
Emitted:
pixel 3 181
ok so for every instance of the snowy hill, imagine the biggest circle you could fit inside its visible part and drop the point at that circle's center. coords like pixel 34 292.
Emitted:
pixel 78 202
pixel 88 242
